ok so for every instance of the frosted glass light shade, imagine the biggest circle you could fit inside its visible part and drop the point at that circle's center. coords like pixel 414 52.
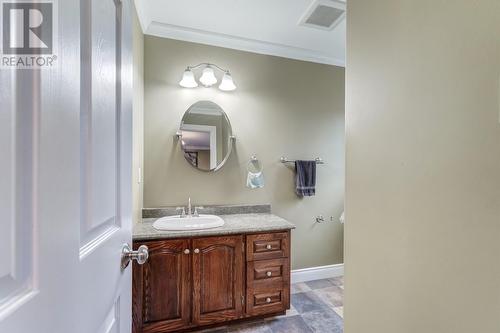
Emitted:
pixel 227 83
pixel 188 80
pixel 208 77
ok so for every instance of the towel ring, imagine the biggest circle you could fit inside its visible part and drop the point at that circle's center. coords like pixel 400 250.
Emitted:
pixel 255 161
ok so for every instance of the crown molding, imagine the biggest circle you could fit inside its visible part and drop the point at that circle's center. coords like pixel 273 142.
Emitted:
pixel 171 31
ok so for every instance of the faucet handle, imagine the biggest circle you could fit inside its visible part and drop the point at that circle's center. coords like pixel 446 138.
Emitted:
pixel 196 210
pixel 183 211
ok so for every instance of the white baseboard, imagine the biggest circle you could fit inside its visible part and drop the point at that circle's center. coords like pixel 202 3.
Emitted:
pixel 317 273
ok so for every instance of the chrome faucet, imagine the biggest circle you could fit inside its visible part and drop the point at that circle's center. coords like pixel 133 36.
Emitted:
pixel 189 212
pixel 183 210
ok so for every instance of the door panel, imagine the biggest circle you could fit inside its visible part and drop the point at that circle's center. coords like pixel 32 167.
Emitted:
pixel 217 291
pixel 99 121
pixel 102 117
pixel 217 279
pixel 162 287
pixel 105 172
pixel 112 324
pixel 17 127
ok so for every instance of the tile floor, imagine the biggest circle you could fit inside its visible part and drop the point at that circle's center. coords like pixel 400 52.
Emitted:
pixel 316 306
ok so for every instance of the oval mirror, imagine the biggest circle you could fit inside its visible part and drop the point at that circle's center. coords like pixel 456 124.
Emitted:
pixel 206 136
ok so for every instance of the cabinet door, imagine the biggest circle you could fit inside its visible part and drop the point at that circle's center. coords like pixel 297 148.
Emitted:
pixel 217 279
pixel 162 287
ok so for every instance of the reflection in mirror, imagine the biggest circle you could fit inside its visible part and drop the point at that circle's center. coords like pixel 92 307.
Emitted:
pixel 206 136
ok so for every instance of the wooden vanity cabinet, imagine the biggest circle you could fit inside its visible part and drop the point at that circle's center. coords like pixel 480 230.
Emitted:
pixel 194 282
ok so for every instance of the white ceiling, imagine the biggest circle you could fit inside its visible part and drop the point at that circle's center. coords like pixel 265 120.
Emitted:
pixel 260 26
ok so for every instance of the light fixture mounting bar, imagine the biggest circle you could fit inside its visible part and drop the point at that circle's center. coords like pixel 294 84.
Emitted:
pixel 209 65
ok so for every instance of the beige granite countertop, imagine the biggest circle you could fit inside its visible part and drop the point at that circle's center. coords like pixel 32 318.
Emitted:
pixel 234 224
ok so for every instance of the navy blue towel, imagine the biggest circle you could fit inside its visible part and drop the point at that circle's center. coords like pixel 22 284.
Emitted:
pixel 305 178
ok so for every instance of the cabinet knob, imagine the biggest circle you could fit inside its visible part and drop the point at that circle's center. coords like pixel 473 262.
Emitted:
pixel 186 251
pixel 269 274
pixel 268 246
pixel 196 250
pixel 268 300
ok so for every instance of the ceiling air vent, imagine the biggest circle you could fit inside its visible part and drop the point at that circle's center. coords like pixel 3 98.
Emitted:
pixel 324 14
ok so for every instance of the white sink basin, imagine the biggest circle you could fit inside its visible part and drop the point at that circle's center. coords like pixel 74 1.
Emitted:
pixel 177 223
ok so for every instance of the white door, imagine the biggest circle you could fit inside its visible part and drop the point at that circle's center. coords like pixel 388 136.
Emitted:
pixel 65 184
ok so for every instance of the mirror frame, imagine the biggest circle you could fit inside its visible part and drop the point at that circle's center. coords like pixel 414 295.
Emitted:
pixel 232 138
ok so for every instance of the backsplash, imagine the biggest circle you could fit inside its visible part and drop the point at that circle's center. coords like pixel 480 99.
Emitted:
pixel 210 209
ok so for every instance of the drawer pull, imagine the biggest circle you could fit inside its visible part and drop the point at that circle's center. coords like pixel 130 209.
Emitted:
pixel 269 274
pixel 269 246
pixel 268 300
pixel 186 251
pixel 196 251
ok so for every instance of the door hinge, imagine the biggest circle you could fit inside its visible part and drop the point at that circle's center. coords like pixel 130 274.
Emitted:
pixel 242 300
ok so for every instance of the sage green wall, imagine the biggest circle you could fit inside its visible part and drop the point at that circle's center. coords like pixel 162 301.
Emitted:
pixel 138 119
pixel 423 167
pixel 281 107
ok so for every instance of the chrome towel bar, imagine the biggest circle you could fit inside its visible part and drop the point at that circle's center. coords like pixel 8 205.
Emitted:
pixel 318 160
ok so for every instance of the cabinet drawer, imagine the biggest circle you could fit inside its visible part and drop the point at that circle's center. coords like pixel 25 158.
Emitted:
pixel 266 273
pixel 267 301
pixel 266 298
pixel 267 246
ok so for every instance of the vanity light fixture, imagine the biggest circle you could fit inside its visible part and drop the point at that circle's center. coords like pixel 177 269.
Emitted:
pixel 207 78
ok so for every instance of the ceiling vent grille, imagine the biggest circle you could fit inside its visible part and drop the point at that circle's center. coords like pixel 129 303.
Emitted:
pixel 324 14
